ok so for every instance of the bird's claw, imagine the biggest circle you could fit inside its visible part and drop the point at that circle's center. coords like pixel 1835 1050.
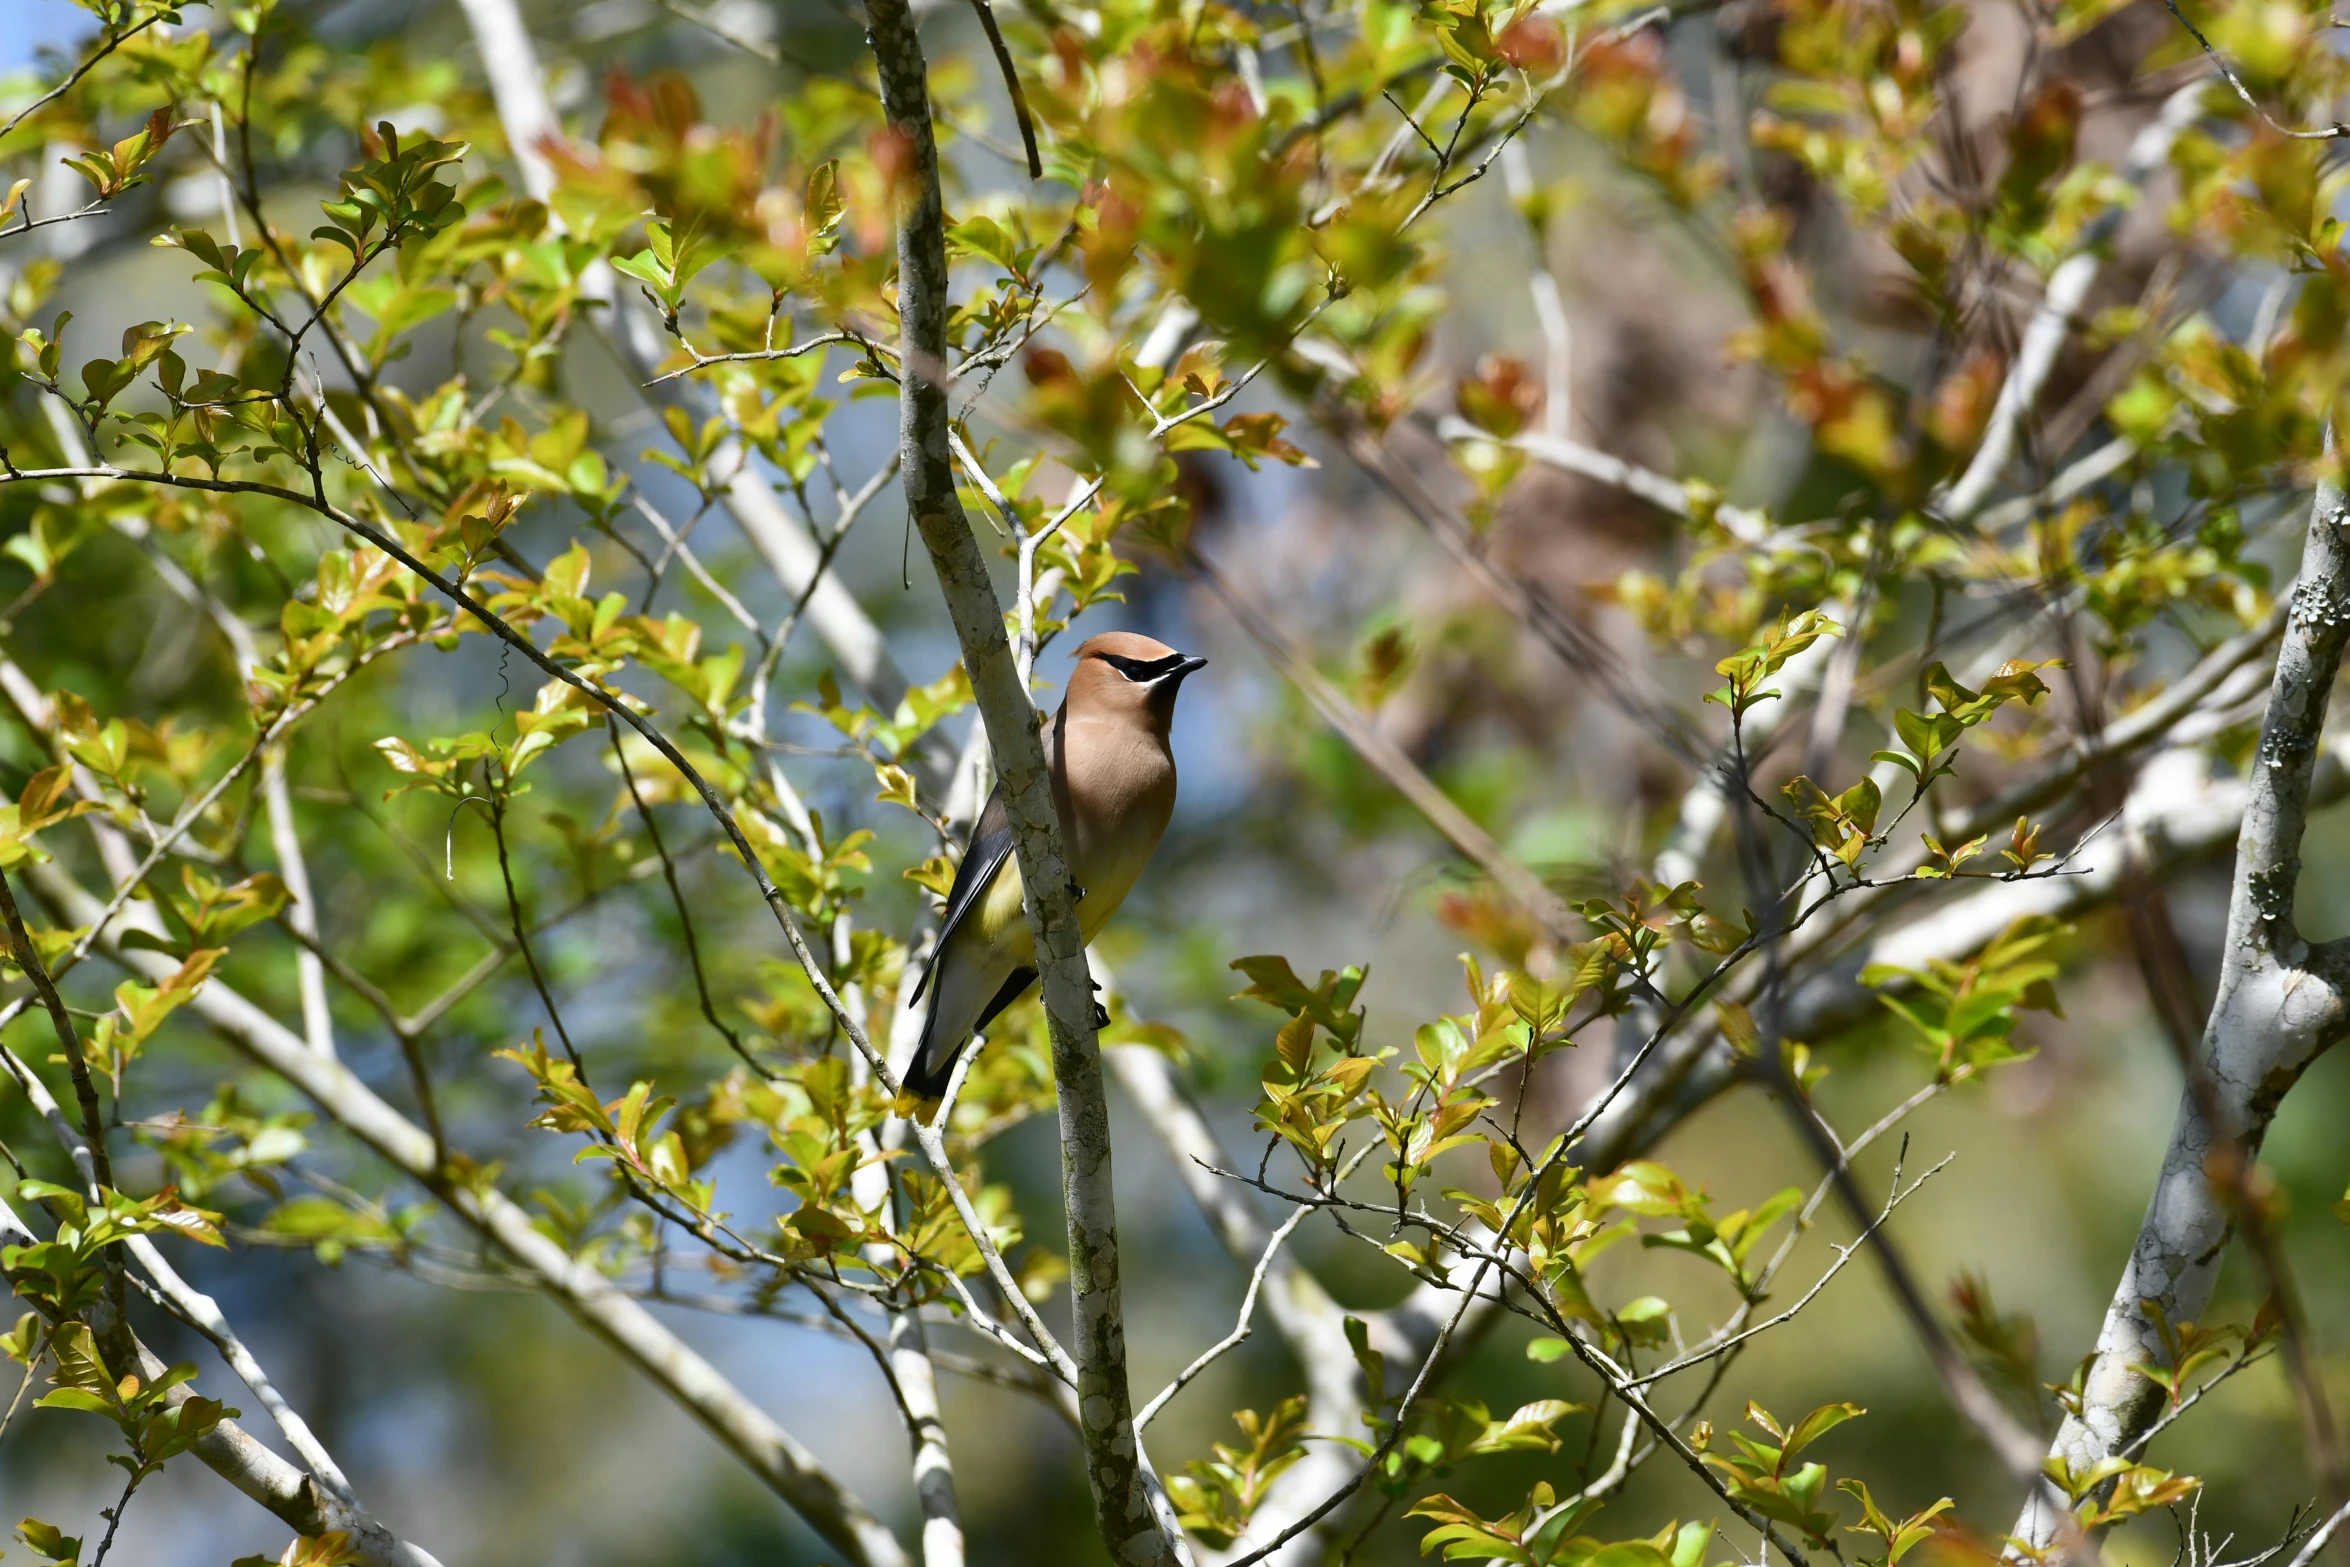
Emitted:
pixel 1101 1015
pixel 1076 893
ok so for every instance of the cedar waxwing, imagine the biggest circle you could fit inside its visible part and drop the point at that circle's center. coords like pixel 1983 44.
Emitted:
pixel 1114 788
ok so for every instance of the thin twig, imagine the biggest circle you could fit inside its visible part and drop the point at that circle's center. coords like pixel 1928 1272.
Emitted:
pixel 685 918
pixel 112 42
pixel 2245 93
pixel 1004 63
pixel 1844 1254
pixel 28 958
pixel 1232 1340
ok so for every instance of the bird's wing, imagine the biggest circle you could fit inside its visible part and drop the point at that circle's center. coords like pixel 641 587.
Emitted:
pixel 1014 989
pixel 990 846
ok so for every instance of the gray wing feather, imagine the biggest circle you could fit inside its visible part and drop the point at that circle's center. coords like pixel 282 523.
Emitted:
pixel 990 846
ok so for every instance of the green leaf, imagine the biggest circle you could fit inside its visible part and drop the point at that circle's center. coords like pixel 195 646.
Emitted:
pixel 1528 1429
pixel 48 1541
pixel 1819 1423
pixel 1629 1553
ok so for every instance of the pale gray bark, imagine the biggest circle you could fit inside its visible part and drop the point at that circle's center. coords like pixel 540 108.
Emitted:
pixel 297 1498
pixel 912 1374
pixel 1121 1500
pixel 285 842
pixel 2178 813
pixel 783 1464
pixel 518 87
pixel 1555 449
pixel 293 868
pixel 934 1471
pixel 1705 806
pixel 2279 1005
pixel 2322 1537
pixel 277 803
pixel 203 1313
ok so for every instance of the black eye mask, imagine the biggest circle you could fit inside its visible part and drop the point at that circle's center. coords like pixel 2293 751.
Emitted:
pixel 1143 671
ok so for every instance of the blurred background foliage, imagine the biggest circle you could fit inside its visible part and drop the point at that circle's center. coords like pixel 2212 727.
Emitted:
pixel 484 1423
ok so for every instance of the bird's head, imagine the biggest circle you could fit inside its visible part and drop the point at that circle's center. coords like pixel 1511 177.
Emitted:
pixel 1126 674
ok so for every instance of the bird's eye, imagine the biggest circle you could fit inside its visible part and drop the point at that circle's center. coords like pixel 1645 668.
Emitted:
pixel 1142 671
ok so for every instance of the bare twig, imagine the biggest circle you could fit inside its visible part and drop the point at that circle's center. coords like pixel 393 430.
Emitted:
pixel 700 361
pixel 1230 1341
pixel 2318 1541
pixel 1844 1254
pixel 2244 93
pixel 106 46
pixel 1004 63
pixel 685 917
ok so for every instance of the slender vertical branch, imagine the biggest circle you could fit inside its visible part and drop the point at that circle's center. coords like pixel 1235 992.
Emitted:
pixel 2170 990
pixel 934 1470
pixel 285 838
pixel 1550 307
pixel 1121 1501
pixel 302 907
pixel 521 938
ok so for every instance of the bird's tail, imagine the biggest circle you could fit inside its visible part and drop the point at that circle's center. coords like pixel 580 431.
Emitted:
pixel 934 1058
pixel 945 1031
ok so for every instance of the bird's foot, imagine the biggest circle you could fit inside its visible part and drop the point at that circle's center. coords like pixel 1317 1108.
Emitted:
pixel 1101 1016
pixel 1076 893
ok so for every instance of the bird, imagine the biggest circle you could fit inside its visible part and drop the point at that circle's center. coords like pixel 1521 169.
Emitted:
pixel 1113 779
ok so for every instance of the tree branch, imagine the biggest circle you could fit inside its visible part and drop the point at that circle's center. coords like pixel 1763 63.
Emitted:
pixel 311 1503
pixel 1311 1323
pixel 1574 644
pixel 786 1467
pixel 1121 1501
pixel 2181 814
pixel 2052 323
pixel 1387 759
pixel 2279 1006
pixel 285 840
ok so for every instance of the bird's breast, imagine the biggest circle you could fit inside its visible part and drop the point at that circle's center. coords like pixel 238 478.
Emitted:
pixel 1119 793
pixel 1106 869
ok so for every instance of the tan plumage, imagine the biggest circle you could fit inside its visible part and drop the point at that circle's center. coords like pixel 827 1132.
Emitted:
pixel 1113 779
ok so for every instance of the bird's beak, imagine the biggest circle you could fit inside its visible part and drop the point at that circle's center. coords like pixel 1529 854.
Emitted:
pixel 1162 690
